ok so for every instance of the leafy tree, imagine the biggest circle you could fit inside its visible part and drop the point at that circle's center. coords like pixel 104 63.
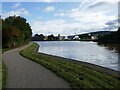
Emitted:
pixel 15 29
pixel 36 35
pixel 51 37
pixel 21 24
pixel 41 37
pixel 118 33
pixel 113 37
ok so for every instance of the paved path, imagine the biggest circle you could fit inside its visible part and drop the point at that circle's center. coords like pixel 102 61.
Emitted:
pixel 24 73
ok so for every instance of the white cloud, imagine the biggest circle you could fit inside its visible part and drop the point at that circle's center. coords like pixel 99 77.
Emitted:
pixel 47 27
pixel 63 27
pixel 16 5
pixel 48 1
pixel 60 14
pixel 58 0
pixel 89 13
pixel 88 17
pixel 18 12
pixel 106 0
pixel 49 8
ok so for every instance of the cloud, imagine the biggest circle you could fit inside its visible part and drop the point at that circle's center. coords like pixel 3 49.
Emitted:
pixel 18 12
pixel 58 0
pixel 0 9
pixel 63 27
pixel 49 8
pixel 48 27
pixel 88 17
pixel 60 14
pixel 16 5
pixel 48 1
pixel 89 13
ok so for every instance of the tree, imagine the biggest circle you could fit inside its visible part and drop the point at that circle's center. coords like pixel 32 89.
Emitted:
pixel 41 37
pixel 118 33
pixel 51 37
pixel 10 34
pixel 15 29
pixel 21 24
pixel 36 35
pixel 113 37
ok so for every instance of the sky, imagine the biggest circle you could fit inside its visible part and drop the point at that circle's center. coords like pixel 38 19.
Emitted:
pixel 65 18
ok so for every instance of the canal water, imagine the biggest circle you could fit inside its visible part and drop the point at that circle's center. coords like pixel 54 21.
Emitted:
pixel 91 52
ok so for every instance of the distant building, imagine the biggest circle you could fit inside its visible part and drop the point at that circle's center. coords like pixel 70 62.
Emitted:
pixel 71 37
pixel 66 37
pixel 94 37
pixel 45 37
pixel 56 38
pixel 61 37
pixel 84 36
pixel 76 38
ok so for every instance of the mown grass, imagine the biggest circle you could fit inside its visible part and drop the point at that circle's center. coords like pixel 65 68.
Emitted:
pixel 77 75
pixel 4 75
pixel 3 72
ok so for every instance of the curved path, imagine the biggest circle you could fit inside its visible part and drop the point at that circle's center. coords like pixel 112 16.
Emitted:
pixel 24 73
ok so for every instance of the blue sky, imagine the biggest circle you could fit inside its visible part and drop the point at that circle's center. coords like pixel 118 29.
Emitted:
pixel 65 18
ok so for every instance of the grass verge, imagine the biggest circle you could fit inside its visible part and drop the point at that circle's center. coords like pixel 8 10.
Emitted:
pixel 4 67
pixel 7 49
pixel 4 75
pixel 77 75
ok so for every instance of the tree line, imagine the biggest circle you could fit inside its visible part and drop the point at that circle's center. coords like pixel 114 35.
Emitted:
pixel 41 37
pixel 15 29
pixel 113 37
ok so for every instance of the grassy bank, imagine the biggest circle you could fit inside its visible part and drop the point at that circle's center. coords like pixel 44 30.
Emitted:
pixel 4 75
pixel 77 75
pixel 17 46
pixel 3 72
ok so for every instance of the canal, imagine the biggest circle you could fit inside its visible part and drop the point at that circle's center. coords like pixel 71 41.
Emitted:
pixel 104 55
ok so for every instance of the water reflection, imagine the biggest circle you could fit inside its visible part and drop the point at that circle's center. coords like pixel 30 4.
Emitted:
pixel 103 55
pixel 113 48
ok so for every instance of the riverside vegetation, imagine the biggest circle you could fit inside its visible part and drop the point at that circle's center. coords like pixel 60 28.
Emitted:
pixel 15 29
pixel 77 75
pixel 113 37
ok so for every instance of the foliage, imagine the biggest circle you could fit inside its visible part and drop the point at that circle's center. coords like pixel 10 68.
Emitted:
pixel 38 37
pixel 78 75
pixel 118 33
pixel 15 29
pixel 51 37
pixel 113 37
